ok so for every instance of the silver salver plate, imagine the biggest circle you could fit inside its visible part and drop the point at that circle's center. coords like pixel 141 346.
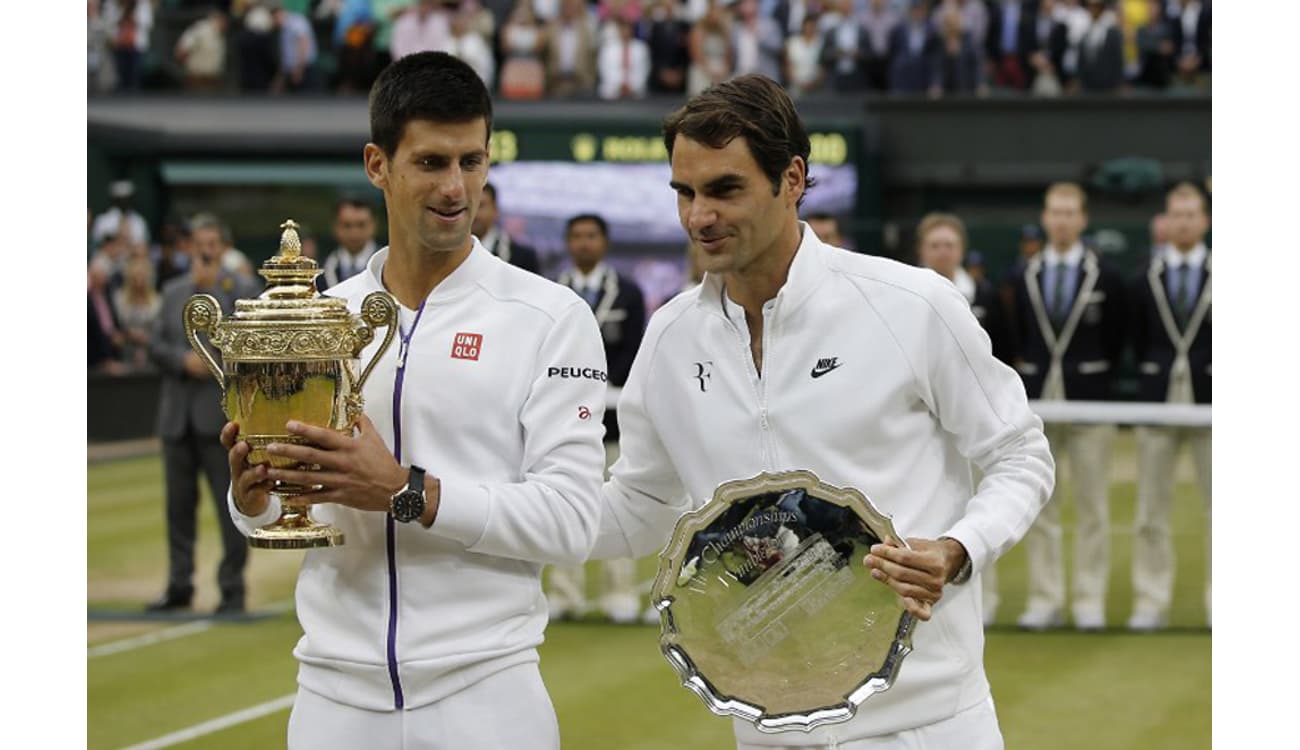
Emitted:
pixel 766 610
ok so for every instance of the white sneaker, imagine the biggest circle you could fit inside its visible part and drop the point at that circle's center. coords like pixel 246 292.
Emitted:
pixel 1089 620
pixel 1039 618
pixel 623 609
pixel 1146 621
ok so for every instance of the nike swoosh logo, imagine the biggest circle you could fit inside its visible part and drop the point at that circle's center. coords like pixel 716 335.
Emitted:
pixel 817 372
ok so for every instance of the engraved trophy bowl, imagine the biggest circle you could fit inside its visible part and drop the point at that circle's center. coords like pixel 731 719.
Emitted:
pixel 289 354
pixel 766 610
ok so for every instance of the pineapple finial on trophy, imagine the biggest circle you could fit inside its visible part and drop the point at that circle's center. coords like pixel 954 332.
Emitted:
pixel 290 245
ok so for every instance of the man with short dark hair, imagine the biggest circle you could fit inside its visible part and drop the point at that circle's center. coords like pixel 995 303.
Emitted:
pixel 827 228
pixel 619 307
pixel 189 422
pixel 476 462
pixel 793 354
pixel 354 230
pixel 496 239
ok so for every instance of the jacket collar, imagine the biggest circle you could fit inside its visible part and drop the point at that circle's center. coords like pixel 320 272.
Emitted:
pixel 809 268
pixel 459 282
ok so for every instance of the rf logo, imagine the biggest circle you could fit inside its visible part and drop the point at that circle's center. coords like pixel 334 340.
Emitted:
pixel 704 374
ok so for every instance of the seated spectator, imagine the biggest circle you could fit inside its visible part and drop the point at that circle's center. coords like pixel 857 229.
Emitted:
pixel 1155 49
pixel 468 45
pixel 571 52
pixel 972 14
pixel 104 333
pixel 297 71
pixel 1046 62
pixel 911 53
pixel 623 65
pixel 258 45
pixel 957 65
pixel 121 214
pixel 757 41
pixel 131 21
pixel 201 51
pixel 709 45
pixel 171 256
pixel 1012 38
pixel 135 306
pixel 666 39
pixel 1190 33
pixel 1100 51
pixel 101 75
pixel 878 21
pixel 803 55
pixel 424 28
pixel 523 42
pixel 354 42
pixel 844 50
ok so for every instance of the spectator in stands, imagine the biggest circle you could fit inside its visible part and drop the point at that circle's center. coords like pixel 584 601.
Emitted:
pixel 120 215
pixel 1075 21
pixel 827 228
pixel 189 423
pixel 619 306
pixel 844 50
pixel 423 28
pixel 757 40
pixel 232 259
pixel 973 15
pixel 1190 32
pixel 101 76
pixel 258 45
pixel 1170 331
pixel 623 64
pixel 709 45
pixel 878 19
pixel 132 21
pixel 666 37
pixel 571 52
pixel 1047 61
pixel 1101 51
pixel 386 13
pixel 354 44
pixel 1012 39
pixel 171 256
pixel 201 51
pixel 478 19
pixel 789 14
pixel 1069 330
pixel 1155 49
pixel 104 333
pixel 135 305
pixel 297 71
pixel 803 55
pixel 958 67
pixel 468 44
pixel 1030 244
pixel 494 237
pixel 911 52
pixel 354 231
pixel 523 45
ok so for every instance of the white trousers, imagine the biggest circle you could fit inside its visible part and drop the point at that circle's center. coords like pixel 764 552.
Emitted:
pixel 1088 448
pixel 976 728
pixel 1153 547
pixel 506 711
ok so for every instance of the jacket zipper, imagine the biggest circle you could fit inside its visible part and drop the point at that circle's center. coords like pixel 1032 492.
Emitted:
pixel 756 382
pixel 390 528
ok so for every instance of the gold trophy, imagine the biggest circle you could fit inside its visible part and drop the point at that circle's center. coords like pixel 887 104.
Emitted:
pixel 290 354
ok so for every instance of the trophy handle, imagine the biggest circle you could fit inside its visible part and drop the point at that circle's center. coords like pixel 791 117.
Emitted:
pixel 377 309
pixel 202 313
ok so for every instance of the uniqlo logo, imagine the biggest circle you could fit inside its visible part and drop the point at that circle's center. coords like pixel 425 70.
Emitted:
pixel 466 346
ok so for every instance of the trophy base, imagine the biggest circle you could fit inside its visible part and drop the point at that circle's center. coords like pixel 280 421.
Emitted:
pixel 296 537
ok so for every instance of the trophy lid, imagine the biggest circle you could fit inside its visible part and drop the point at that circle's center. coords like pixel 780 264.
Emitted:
pixel 291 294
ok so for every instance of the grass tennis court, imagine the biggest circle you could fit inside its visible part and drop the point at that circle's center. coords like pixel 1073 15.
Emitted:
pixel 612 690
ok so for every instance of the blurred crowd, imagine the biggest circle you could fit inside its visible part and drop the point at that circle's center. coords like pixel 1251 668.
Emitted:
pixel 617 49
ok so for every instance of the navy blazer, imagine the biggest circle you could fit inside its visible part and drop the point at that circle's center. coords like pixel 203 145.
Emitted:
pixel 1153 328
pixel 911 73
pixel 1094 329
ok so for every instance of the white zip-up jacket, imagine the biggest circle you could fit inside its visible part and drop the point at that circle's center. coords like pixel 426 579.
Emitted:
pixel 501 397
pixel 875 376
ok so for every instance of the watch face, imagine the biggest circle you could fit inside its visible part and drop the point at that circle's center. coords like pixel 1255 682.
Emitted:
pixel 408 505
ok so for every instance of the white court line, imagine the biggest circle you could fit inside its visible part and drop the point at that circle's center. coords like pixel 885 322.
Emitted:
pixel 217 724
pixel 167 634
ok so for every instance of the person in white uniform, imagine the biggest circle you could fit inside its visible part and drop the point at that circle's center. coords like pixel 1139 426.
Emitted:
pixel 478 459
pixel 795 354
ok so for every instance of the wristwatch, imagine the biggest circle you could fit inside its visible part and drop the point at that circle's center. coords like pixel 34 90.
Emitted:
pixel 964 572
pixel 408 503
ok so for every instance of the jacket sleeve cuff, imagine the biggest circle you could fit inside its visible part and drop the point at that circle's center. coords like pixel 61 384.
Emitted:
pixel 977 551
pixel 463 510
pixel 249 524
